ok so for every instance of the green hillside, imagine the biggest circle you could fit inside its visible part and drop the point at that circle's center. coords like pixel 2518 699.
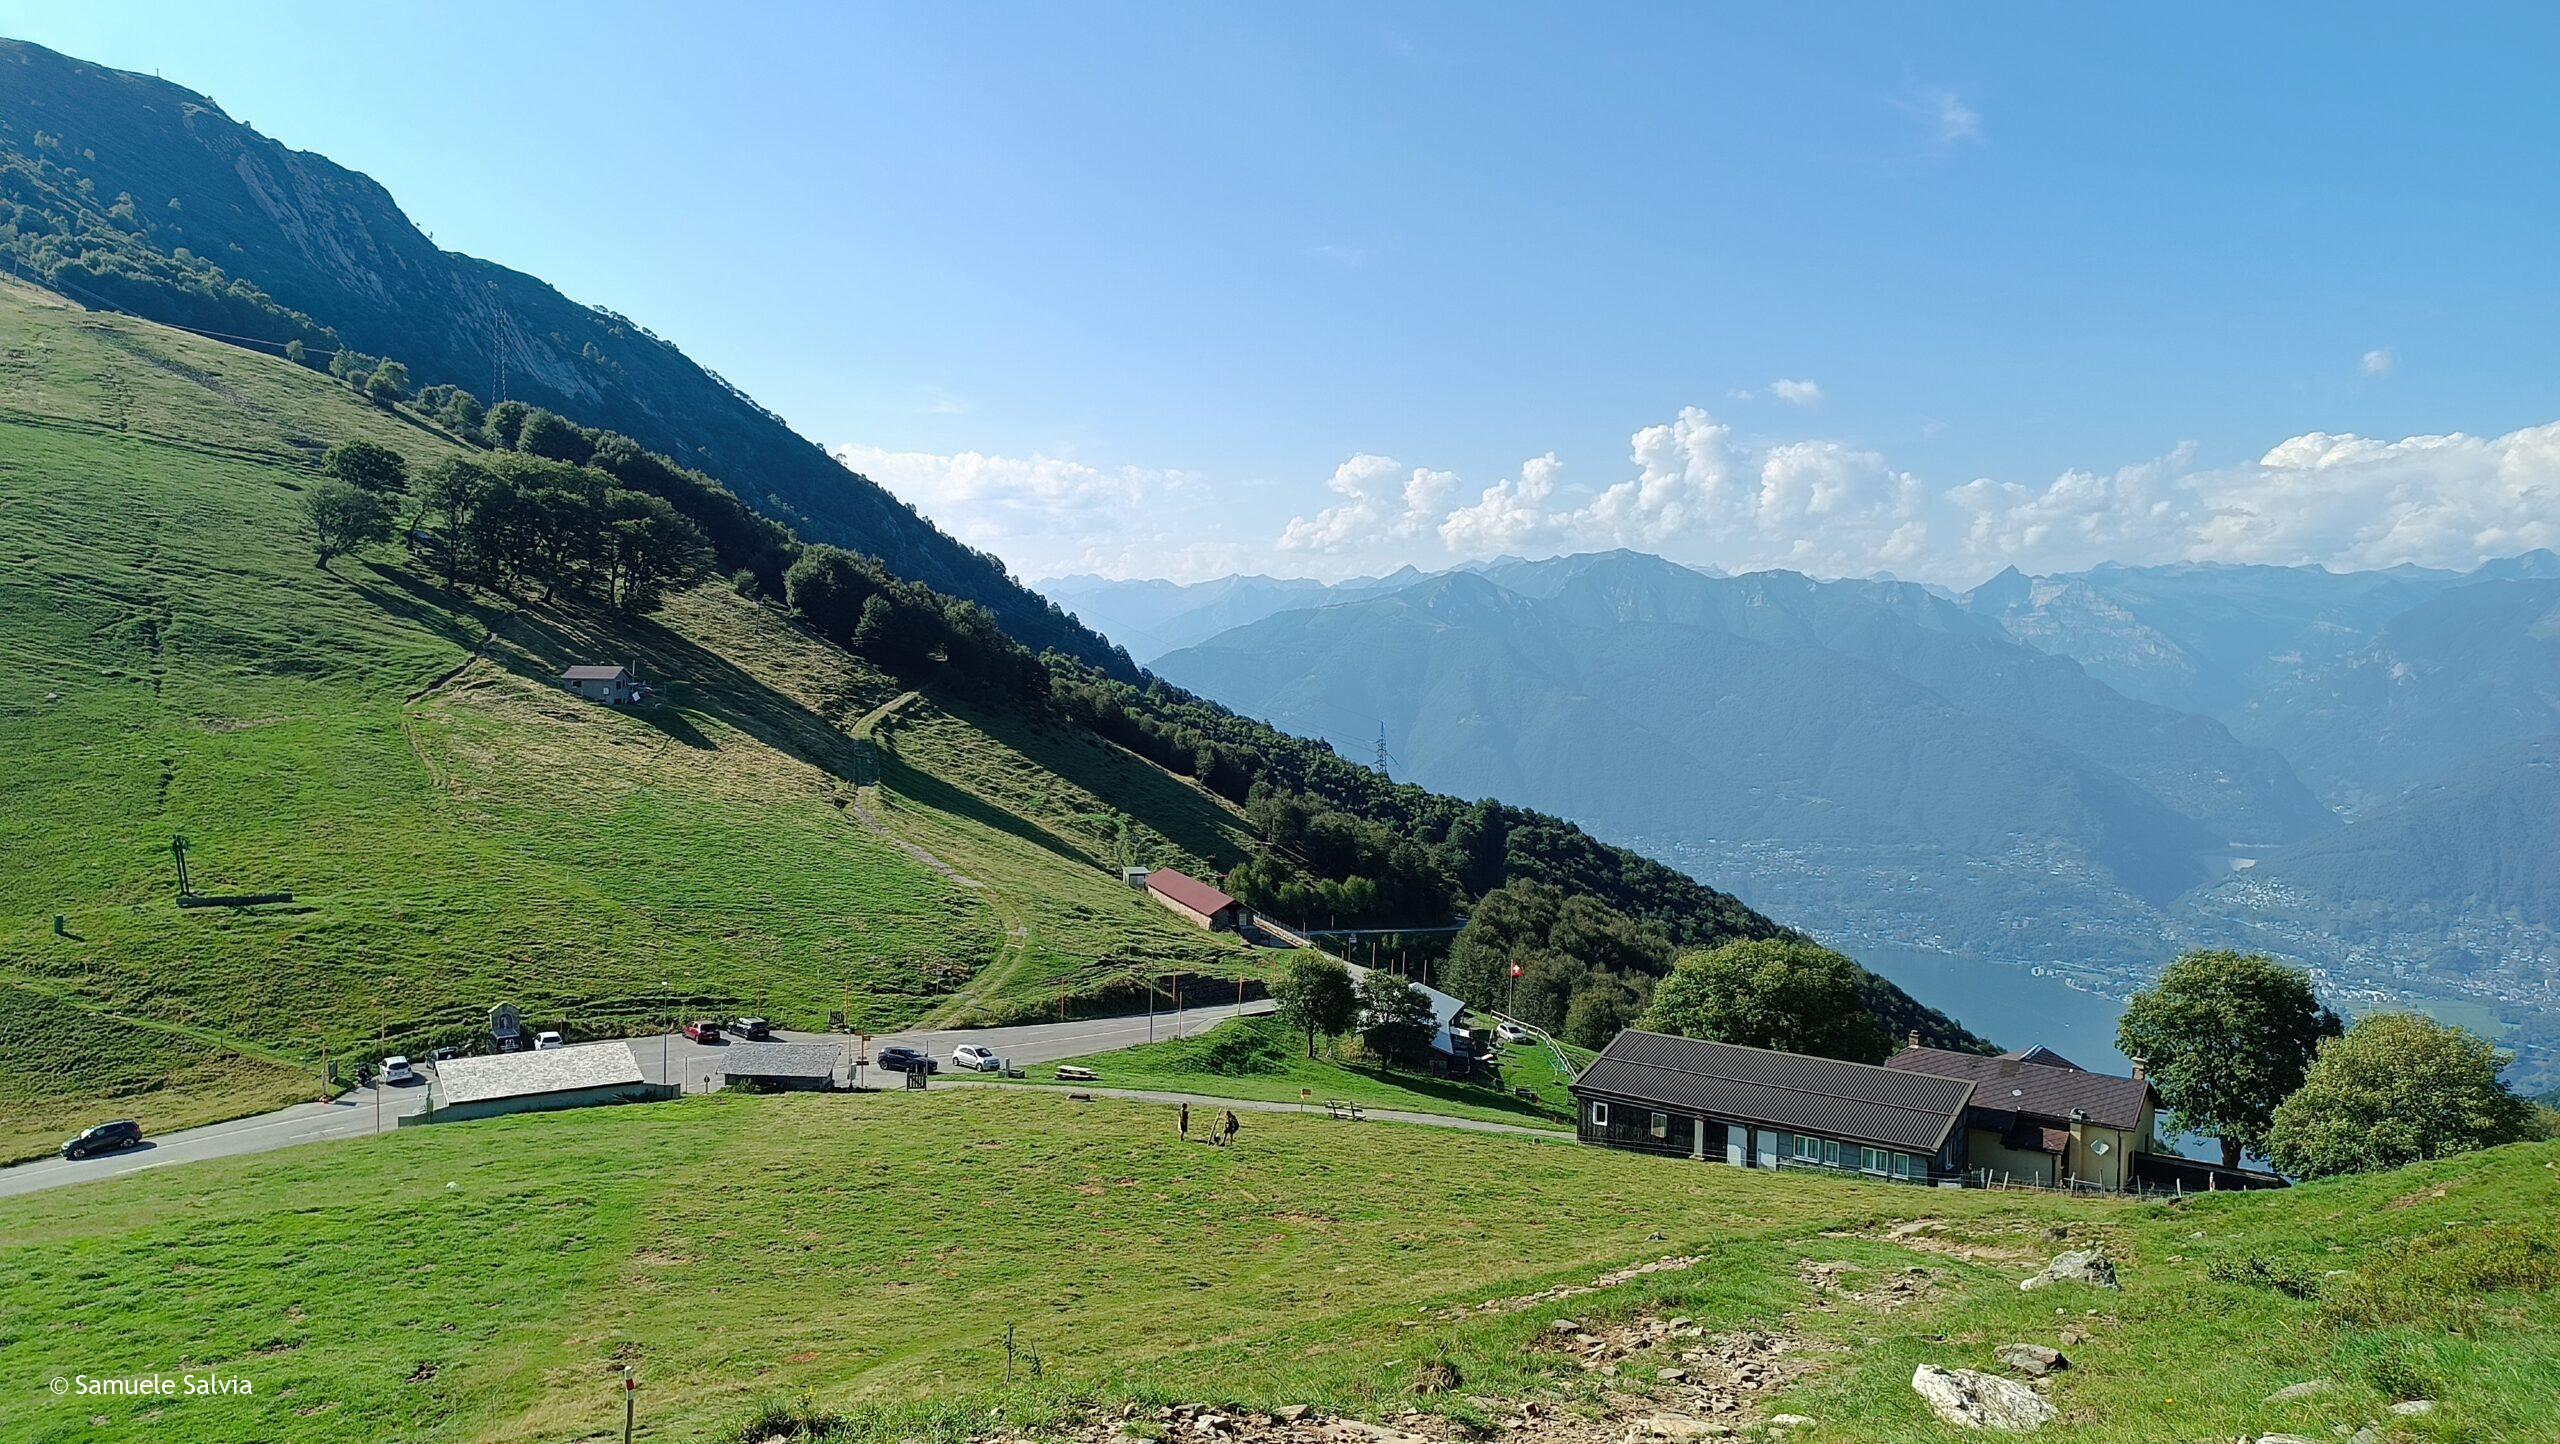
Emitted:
pixel 129 191
pixel 865 1257
pixel 455 829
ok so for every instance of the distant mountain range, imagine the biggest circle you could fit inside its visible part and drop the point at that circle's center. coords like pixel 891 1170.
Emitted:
pixel 127 191
pixel 2089 770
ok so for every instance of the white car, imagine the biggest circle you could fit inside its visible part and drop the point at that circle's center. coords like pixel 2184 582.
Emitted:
pixel 1511 1032
pixel 546 1040
pixel 976 1058
pixel 397 1070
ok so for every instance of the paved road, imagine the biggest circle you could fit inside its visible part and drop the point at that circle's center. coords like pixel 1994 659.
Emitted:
pixel 696 1065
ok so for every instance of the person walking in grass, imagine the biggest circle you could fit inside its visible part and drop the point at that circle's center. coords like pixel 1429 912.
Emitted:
pixel 1227 1129
pixel 1186 1123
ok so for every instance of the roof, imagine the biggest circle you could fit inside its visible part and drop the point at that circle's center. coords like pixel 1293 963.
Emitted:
pixel 2042 1054
pixel 1913 1112
pixel 595 674
pixel 2011 1085
pixel 551 1070
pixel 782 1060
pixel 1187 890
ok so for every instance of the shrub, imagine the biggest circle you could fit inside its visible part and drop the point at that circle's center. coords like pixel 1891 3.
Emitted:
pixel 2289 1279
pixel 2447 1279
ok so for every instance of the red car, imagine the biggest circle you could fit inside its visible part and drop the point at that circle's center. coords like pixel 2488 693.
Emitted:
pixel 705 1031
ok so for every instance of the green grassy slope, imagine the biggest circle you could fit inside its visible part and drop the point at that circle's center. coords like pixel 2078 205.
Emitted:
pixel 1261 1058
pixel 485 1281
pixel 456 830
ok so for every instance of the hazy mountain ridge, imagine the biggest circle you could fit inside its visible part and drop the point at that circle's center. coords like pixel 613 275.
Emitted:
pixel 1768 711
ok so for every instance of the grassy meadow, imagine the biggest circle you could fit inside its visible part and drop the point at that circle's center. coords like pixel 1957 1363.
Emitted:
pixel 864 1255
pixel 1261 1058
pixel 455 830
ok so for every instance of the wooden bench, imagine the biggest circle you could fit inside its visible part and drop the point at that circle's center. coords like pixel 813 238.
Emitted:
pixel 1069 1073
pixel 1337 1108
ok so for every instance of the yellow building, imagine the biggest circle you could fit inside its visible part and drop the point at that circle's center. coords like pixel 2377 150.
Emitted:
pixel 2037 1117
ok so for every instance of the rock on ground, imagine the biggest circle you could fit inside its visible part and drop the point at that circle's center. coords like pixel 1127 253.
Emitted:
pixel 1970 1399
pixel 2032 1359
pixel 2079 1266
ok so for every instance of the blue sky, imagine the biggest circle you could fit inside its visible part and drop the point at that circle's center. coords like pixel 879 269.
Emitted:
pixel 1325 288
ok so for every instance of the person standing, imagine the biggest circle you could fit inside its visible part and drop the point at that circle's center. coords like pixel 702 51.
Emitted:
pixel 1186 1122
pixel 1228 1127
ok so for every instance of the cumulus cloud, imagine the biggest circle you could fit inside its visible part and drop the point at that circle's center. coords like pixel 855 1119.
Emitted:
pixel 1047 515
pixel 1693 490
pixel 1382 500
pixel 2377 362
pixel 1796 393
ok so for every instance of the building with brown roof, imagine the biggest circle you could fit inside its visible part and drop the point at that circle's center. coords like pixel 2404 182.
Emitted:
pixel 1722 1102
pixel 1189 897
pixel 2037 1117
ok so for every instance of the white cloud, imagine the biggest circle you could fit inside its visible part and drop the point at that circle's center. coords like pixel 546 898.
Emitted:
pixel 1509 516
pixel 1697 492
pixel 1796 393
pixel 1382 502
pixel 1951 122
pixel 1048 515
pixel 2378 362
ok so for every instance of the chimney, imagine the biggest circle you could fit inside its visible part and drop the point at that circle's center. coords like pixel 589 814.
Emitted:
pixel 2141 1070
pixel 1911 1039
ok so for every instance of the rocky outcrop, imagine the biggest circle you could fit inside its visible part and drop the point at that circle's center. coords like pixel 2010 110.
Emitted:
pixel 1970 1399
pixel 2079 1266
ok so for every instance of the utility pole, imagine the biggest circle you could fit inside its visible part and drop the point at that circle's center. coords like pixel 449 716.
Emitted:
pixel 178 850
pixel 667 990
pixel 1384 756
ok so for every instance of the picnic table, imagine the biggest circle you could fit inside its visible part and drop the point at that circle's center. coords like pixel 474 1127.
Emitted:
pixel 1070 1073
pixel 1341 1108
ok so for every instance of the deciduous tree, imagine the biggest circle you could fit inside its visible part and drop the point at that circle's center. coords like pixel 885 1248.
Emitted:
pixel 345 517
pixel 1782 993
pixel 1395 1016
pixel 1315 996
pixel 2227 1036
pixel 367 464
pixel 2394 1089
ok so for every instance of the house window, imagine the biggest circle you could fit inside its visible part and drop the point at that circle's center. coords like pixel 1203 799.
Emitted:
pixel 1871 1160
pixel 1808 1150
pixel 1831 1152
pixel 1599 1115
pixel 1660 1126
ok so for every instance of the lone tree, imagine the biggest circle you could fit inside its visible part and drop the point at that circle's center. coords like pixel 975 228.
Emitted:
pixel 1395 1016
pixel 1315 996
pixel 2227 1037
pixel 366 464
pixel 2394 1089
pixel 388 385
pixel 344 518
pixel 1782 993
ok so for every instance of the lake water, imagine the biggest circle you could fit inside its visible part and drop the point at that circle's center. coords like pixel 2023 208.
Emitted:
pixel 2007 1003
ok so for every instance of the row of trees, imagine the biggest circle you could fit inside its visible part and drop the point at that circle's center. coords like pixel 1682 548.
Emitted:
pixel 1316 996
pixel 2242 1050
pixel 911 630
pixel 512 522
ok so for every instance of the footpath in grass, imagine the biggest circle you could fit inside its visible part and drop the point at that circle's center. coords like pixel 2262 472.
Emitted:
pixel 864 1258
pixel 1261 1058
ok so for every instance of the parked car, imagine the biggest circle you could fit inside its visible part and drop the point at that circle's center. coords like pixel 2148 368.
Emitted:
pixel 902 1059
pixel 753 1029
pixel 105 1138
pixel 396 1069
pixel 1510 1032
pixel 976 1058
pixel 547 1040
pixel 444 1055
pixel 704 1031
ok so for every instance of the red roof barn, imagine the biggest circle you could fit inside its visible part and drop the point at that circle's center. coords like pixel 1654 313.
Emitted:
pixel 1195 900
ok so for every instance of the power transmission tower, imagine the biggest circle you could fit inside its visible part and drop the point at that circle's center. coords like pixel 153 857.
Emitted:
pixel 1386 759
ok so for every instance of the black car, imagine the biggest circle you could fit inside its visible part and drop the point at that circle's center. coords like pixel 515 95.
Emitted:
pixel 907 1060
pixel 105 1138
pixel 754 1030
